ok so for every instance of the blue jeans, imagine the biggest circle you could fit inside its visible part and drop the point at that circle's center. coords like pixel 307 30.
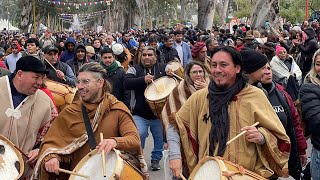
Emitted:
pixel 315 164
pixel 157 134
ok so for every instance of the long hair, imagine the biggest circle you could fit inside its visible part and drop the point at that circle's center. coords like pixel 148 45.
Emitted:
pixel 187 70
pixel 97 70
pixel 312 76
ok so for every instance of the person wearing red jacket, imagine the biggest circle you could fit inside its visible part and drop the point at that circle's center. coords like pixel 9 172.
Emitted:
pixel 288 114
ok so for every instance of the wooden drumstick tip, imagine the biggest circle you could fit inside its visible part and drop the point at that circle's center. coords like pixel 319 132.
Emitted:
pixel 104 173
pixel 182 177
pixel 240 134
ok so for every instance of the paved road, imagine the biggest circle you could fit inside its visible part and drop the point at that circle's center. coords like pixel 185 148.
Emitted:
pixel 159 175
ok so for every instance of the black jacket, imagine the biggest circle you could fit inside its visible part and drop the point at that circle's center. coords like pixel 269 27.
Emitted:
pixel 310 107
pixel 134 81
pixel 75 64
pixel 167 54
pixel 116 79
pixel 53 74
pixel 307 50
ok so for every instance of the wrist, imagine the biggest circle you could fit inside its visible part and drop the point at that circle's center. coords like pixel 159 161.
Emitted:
pixel 263 140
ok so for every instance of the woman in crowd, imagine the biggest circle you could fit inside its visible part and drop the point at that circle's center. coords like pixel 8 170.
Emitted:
pixel 310 105
pixel 289 117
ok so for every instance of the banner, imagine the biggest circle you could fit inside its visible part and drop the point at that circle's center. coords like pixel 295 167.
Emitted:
pixel 77 5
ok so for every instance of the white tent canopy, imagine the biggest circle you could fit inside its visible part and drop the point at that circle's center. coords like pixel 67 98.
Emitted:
pixel 4 24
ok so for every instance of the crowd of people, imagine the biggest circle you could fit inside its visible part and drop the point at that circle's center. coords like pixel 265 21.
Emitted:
pixel 230 81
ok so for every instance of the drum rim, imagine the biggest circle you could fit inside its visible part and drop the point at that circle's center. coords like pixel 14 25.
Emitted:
pixel 150 85
pixel 17 153
pixel 204 160
pixel 117 169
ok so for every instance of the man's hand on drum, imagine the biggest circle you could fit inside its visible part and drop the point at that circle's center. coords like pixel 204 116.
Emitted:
pixel 199 84
pixel 60 74
pixel 33 156
pixel 106 145
pixel 52 166
pixel 176 167
pixel 169 72
pixel 253 135
pixel 148 78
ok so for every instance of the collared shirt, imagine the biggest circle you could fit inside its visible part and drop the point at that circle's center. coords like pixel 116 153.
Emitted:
pixel 180 52
pixel 17 97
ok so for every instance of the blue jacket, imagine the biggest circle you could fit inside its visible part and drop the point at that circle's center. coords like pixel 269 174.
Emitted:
pixel 67 55
pixel 186 53
pixel 130 45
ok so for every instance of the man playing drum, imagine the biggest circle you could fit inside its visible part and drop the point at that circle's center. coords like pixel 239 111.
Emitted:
pixel 214 115
pixel 137 79
pixel 67 142
pixel 58 71
pixel 25 111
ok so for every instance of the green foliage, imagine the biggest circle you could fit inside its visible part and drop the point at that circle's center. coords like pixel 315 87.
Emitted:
pixel 293 10
pixel 242 8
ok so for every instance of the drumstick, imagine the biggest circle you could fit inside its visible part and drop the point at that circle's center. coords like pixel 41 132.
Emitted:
pixel 53 67
pixel 178 77
pixel 154 84
pixel 103 159
pixel 182 177
pixel 242 133
pixel 73 173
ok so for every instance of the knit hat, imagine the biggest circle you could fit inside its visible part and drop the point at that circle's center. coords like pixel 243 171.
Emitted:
pixel 196 49
pixel 279 49
pixel 252 60
pixel 90 49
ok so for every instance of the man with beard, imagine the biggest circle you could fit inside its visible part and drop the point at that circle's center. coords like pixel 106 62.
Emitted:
pixel 214 115
pixel 11 60
pixel 79 59
pixel 77 129
pixel 199 53
pixel 167 52
pixel 62 72
pixel 182 48
pixel 138 77
pixel 25 112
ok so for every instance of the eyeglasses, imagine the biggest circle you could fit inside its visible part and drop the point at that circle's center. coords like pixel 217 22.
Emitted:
pixel 196 72
pixel 85 82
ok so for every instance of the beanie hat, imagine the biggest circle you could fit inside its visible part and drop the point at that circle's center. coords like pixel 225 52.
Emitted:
pixel 252 60
pixel 196 49
pixel 279 49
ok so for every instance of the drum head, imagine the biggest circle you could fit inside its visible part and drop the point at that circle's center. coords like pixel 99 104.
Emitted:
pixel 173 65
pixel 91 165
pixel 165 85
pixel 208 168
pixel 11 162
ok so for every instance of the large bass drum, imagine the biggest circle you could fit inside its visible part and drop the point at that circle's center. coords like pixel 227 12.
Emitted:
pixel 63 94
pixel 11 162
pixel 156 93
pixel 218 168
pixel 116 167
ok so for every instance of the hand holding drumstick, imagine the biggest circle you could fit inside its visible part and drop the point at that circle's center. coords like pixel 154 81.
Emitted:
pixel 252 134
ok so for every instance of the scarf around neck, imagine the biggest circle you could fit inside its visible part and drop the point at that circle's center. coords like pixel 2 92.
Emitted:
pixel 219 100
pixel 110 69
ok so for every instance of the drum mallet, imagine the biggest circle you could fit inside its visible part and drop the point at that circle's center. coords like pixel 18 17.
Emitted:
pixel 176 76
pixel 53 67
pixel 73 173
pixel 154 84
pixel 103 158
pixel 182 177
pixel 242 133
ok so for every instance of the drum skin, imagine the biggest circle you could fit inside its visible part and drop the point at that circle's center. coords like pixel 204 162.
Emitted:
pixel 3 139
pixel 156 100
pixel 176 67
pixel 62 94
pixel 225 168
pixel 119 168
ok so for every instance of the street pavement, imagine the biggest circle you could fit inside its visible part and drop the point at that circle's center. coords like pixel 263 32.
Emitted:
pixel 159 175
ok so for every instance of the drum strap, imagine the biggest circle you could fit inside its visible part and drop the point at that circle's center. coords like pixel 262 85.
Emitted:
pixel 92 141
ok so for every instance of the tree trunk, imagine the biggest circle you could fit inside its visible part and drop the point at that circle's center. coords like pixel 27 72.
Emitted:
pixel 205 14
pixel 183 4
pixel 26 15
pixel 266 10
pixel 224 12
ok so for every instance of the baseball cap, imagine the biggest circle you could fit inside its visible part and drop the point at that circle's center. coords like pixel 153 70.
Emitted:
pixel 32 64
pixel 50 48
